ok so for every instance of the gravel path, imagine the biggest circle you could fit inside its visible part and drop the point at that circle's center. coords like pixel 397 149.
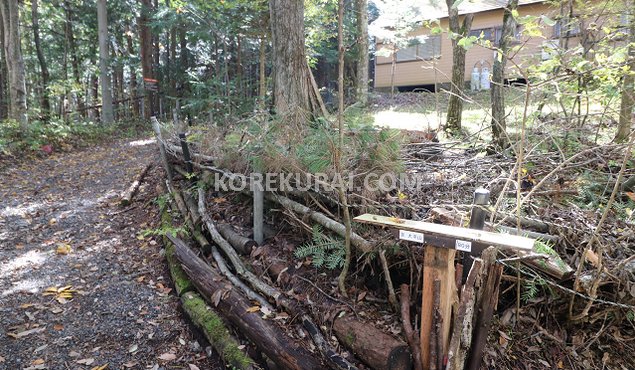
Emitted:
pixel 80 286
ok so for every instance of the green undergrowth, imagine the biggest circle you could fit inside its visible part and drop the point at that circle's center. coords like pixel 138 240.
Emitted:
pixel 57 135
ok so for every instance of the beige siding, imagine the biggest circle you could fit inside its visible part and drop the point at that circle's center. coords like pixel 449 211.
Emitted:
pixel 427 72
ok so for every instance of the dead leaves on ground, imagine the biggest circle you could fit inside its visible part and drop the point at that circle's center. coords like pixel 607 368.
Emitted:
pixel 62 295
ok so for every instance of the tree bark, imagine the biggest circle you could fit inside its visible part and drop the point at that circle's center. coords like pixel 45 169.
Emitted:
pixel 9 10
pixel 4 104
pixel 44 98
pixel 106 90
pixel 455 104
pixel 133 74
pixel 499 134
pixel 233 306
pixel 362 58
pixel 628 86
pixel 295 99
pixel 146 56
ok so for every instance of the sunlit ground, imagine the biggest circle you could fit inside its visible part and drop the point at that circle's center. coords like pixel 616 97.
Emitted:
pixel 142 142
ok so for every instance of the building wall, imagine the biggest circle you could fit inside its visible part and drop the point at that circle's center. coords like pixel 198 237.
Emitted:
pixel 439 70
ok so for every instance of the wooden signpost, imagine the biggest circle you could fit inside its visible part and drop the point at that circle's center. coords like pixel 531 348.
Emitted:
pixel 440 245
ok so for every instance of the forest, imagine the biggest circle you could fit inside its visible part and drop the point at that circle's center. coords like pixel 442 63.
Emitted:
pixel 343 184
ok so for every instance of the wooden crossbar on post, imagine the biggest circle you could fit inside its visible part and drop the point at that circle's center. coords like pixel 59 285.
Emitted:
pixel 441 243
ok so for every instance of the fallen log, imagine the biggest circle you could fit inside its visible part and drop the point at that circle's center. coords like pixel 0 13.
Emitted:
pixel 242 244
pixel 237 309
pixel 128 194
pixel 377 349
pixel 201 315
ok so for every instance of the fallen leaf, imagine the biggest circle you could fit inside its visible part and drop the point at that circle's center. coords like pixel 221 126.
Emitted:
pixel 58 327
pixel 167 356
pixel 102 367
pixel 631 195
pixel 361 296
pixel 39 361
pixel 193 367
pixel 86 361
pixel 1 359
pixel 130 364
pixel 25 333
pixel 253 309
pixel 63 249
pixel 133 348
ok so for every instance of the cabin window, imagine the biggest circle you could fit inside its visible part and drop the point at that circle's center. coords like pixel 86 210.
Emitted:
pixel 566 27
pixel 491 34
pixel 424 48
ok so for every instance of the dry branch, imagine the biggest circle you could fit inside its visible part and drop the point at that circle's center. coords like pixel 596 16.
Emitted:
pixel 128 194
pixel 356 240
pixel 412 337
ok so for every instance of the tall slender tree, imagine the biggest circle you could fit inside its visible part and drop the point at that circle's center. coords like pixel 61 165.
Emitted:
pixel 628 83
pixel 10 13
pixel 146 56
pixel 4 104
pixel 458 30
pixel 498 77
pixel 107 115
pixel 294 91
pixel 361 8
pixel 44 98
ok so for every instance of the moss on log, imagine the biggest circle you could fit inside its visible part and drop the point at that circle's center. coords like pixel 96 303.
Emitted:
pixel 215 331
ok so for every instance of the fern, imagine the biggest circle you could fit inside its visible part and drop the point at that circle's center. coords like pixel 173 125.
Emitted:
pixel 324 250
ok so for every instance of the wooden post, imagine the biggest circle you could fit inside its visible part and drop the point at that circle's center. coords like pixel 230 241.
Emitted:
pixel 438 264
pixel 441 243
pixel 186 154
pixel 477 221
pixel 259 205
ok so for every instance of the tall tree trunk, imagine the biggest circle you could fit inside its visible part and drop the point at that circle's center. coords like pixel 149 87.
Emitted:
pixel 262 79
pixel 294 92
pixel 106 90
pixel 628 86
pixel 9 11
pixel 146 56
pixel 172 70
pixel 362 59
pixel 44 98
pixel 184 58
pixel 133 75
pixel 4 103
pixel 499 133
pixel 156 56
pixel 75 62
pixel 455 105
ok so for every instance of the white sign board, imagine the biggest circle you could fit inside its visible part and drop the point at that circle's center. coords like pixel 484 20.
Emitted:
pixel 411 236
pixel 463 246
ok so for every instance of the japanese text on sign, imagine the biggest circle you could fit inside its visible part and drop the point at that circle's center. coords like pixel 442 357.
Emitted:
pixel 411 236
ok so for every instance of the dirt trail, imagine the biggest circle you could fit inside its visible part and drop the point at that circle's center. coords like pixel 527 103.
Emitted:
pixel 60 226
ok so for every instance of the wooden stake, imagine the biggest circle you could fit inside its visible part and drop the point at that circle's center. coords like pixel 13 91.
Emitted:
pixel 438 263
